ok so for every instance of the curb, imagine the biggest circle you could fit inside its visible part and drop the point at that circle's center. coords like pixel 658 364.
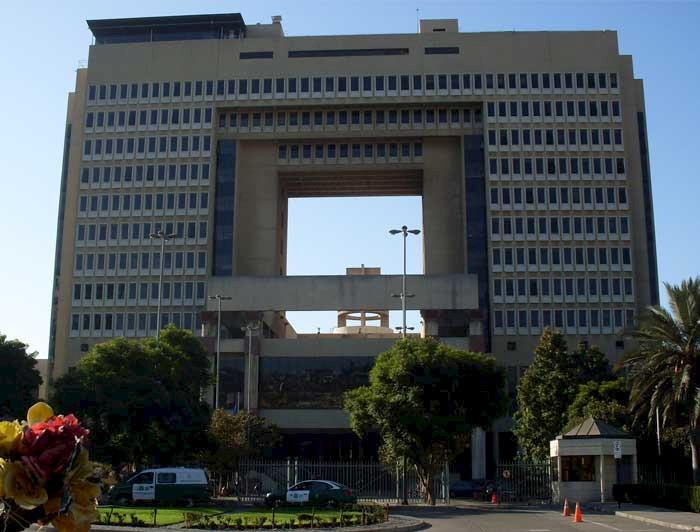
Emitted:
pixel 653 521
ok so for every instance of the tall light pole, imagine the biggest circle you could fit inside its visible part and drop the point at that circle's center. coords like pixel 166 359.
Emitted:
pixel 249 328
pixel 163 237
pixel 403 295
pixel 219 298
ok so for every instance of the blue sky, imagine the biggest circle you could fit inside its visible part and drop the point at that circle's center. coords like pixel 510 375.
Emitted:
pixel 43 44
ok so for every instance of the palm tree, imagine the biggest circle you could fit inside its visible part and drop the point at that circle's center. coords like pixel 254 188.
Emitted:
pixel 665 369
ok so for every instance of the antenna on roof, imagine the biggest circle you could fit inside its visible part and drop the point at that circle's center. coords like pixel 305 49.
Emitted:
pixel 417 21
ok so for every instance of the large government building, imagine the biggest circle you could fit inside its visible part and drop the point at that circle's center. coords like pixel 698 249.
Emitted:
pixel 186 136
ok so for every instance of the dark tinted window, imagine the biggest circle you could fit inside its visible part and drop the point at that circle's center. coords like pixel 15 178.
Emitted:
pixel 143 478
pixel 305 382
pixel 166 478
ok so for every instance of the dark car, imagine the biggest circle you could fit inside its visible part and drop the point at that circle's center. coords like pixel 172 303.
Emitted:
pixel 313 492
pixel 474 489
pixel 471 489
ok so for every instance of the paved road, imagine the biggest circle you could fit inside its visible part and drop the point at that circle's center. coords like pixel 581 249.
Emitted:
pixel 522 520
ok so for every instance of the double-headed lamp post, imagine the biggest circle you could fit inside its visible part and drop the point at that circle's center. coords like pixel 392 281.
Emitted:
pixel 219 298
pixel 163 237
pixel 403 295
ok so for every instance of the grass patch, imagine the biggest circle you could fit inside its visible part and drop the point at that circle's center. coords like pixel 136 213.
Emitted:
pixel 140 516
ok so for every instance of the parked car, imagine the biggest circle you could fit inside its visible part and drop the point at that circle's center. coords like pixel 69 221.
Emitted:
pixel 163 485
pixel 314 492
pixel 472 489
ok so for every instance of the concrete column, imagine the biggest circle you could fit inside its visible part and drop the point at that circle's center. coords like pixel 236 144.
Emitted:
pixel 252 365
pixel 478 453
pixel 559 477
pixel 602 477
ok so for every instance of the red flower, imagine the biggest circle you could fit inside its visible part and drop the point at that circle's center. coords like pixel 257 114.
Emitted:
pixel 48 446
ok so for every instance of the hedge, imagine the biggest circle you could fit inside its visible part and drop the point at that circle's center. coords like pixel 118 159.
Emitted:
pixel 676 496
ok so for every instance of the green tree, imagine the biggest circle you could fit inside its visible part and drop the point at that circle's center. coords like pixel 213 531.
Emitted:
pixel 549 386
pixel 606 401
pixel 665 369
pixel 233 437
pixel 141 399
pixel 425 398
pixel 19 378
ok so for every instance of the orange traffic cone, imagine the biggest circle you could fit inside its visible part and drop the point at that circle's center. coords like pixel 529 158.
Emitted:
pixel 567 513
pixel 577 514
pixel 494 499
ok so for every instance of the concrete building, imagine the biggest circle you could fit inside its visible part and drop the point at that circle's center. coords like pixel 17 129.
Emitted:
pixel 528 149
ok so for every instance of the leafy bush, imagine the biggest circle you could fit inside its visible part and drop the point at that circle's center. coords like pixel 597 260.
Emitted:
pixel 676 496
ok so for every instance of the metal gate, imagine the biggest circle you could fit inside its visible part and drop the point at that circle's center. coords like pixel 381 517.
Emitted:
pixel 369 480
pixel 524 482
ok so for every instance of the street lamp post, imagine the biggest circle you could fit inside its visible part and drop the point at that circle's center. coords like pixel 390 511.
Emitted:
pixel 219 298
pixel 163 237
pixel 403 295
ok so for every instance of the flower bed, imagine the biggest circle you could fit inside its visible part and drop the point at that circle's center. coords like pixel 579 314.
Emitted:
pixel 146 517
pixel 290 517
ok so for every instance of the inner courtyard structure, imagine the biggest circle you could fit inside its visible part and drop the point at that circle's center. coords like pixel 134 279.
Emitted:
pixel 186 137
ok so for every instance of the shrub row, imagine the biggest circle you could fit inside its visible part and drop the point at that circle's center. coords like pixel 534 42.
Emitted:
pixel 348 515
pixel 676 496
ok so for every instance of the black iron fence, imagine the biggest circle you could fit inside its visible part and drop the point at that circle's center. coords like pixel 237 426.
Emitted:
pixel 369 480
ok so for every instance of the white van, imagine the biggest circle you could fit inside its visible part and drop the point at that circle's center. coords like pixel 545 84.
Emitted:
pixel 163 485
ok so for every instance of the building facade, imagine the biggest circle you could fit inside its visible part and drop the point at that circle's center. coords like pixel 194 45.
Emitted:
pixel 528 149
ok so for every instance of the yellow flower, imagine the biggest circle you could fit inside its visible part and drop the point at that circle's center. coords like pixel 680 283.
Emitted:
pixel 38 413
pixel 83 508
pixel 19 485
pixel 10 437
pixel 82 468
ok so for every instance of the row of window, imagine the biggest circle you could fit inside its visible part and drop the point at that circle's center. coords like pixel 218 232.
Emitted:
pixel 569 320
pixel 136 204
pixel 544 258
pixel 342 86
pixel 150 174
pixel 353 119
pixel 564 228
pixel 572 288
pixel 134 233
pixel 140 262
pixel 560 139
pixel 507 168
pixel 551 110
pixel 342 152
pixel 130 323
pixel 142 293
pixel 161 146
pixel 143 119
pixel 549 198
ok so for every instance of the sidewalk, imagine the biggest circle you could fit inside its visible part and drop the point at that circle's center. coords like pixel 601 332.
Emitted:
pixel 668 518
pixel 660 516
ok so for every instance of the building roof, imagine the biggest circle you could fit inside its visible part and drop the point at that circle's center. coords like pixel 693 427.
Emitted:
pixel 181 27
pixel 594 428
